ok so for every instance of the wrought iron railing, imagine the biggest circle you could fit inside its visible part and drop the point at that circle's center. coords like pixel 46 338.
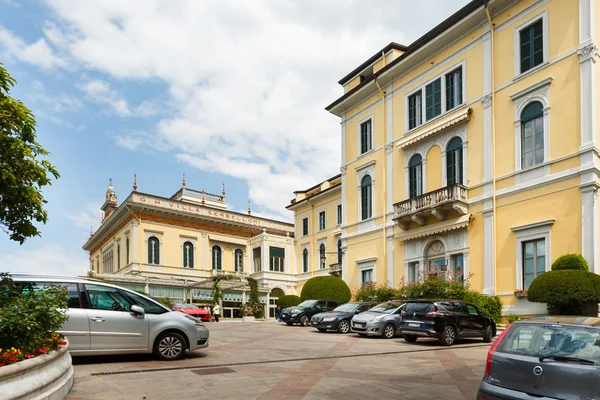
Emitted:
pixel 447 195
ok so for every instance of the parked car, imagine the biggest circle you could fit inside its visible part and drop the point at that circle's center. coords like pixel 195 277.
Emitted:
pixel 304 311
pixel 446 320
pixel 544 357
pixel 193 310
pixel 108 319
pixel 339 318
pixel 382 320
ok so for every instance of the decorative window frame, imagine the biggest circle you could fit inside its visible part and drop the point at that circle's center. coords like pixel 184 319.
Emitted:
pixel 320 242
pixel 526 233
pixel 370 117
pixel 517 43
pixel 191 239
pixel 159 235
pixel 441 75
pixel 212 260
pixel 306 247
pixel 339 216
pixel 361 172
pixel 234 249
pixel 324 220
pixel 364 265
pixel 127 248
pixel 408 155
pixel 307 226
pixel 539 92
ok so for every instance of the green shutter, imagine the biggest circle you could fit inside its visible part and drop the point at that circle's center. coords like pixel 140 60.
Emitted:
pixel 433 99
pixel 532 46
pixel 277 252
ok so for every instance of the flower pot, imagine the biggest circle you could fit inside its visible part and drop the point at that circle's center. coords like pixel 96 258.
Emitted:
pixel 248 318
pixel 520 294
pixel 48 377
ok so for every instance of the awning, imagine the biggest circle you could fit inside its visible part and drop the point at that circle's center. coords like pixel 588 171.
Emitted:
pixel 434 229
pixel 446 124
pixel 240 242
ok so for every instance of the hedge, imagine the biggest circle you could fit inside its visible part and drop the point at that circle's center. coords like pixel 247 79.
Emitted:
pixel 566 292
pixel 570 261
pixel 288 300
pixel 326 287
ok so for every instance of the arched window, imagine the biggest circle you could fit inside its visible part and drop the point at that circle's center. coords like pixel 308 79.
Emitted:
pixel 532 135
pixel 118 256
pixel 454 161
pixel 305 260
pixel 153 250
pixel 216 257
pixel 415 172
pixel 322 256
pixel 188 255
pixel 127 251
pixel 366 197
pixel 339 251
pixel 239 260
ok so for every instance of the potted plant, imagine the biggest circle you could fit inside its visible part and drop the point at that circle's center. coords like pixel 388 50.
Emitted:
pixel 521 293
pixel 248 315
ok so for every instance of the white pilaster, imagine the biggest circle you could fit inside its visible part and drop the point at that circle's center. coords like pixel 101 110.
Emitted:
pixel 389 180
pixel 466 266
pixel 390 261
pixel 489 269
pixel 487 137
pixel 134 242
pixel 589 226
pixel 344 203
pixel 587 52
pixel 206 254
pixel 264 257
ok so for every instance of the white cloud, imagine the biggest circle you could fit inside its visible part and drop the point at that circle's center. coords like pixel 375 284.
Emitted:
pixel 38 53
pixel 87 217
pixel 249 80
pixel 49 259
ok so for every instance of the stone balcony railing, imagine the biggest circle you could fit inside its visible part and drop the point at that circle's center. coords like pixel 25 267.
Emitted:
pixel 335 269
pixel 437 203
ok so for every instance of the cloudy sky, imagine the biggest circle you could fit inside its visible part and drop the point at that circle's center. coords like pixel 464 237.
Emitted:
pixel 224 91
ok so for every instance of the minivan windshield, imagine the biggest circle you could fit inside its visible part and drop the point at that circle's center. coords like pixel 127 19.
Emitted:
pixel 386 308
pixel 348 307
pixel 307 303
pixel 541 340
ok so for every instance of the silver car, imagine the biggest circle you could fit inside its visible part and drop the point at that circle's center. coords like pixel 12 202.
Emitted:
pixel 382 320
pixel 107 319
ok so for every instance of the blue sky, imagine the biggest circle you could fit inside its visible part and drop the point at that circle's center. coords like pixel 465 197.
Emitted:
pixel 226 92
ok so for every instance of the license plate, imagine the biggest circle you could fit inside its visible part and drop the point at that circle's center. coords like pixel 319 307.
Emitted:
pixel 358 324
pixel 414 324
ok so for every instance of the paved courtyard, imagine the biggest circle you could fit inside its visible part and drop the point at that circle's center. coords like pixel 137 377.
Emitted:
pixel 266 360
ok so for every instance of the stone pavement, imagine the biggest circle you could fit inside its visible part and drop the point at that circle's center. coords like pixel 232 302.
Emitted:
pixel 266 360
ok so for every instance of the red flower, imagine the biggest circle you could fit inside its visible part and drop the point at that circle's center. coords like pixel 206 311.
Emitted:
pixel 63 343
pixel 43 351
pixel 12 359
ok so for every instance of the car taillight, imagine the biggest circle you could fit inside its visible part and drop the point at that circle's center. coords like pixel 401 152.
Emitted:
pixel 488 363
pixel 435 313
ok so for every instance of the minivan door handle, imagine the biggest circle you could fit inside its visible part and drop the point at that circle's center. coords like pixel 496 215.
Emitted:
pixel 97 319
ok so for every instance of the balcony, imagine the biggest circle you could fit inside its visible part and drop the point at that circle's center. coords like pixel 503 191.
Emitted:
pixel 437 203
pixel 335 269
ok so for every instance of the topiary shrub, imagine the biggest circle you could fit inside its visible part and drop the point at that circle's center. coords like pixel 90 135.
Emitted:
pixel 566 292
pixel 289 300
pixel 570 261
pixel 326 287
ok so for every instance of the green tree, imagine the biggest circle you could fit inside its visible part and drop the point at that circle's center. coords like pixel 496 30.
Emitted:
pixel 22 173
pixel 326 288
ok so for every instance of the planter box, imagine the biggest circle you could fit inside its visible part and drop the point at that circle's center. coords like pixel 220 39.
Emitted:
pixel 248 319
pixel 520 294
pixel 46 377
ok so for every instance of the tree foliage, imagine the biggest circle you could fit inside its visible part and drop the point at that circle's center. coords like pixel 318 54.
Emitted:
pixel 326 287
pixel 22 173
pixel 570 261
pixel 253 307
pixel 289 300
pixel 217 292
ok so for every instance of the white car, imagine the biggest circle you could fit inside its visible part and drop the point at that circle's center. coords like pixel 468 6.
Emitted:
pixel 108 319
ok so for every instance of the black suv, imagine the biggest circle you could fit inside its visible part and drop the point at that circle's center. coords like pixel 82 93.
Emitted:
pixel 446 320
pixel 304 311
pixel 339 318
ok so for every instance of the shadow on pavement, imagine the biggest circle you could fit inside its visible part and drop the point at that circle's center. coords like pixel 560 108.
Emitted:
pixel 126 358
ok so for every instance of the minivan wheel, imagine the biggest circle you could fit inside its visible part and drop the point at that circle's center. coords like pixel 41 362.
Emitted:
pixel 487 334
pixel 169 346
pixel 448 336
pixel 304 320
pixel 410 338
pixel 343 326
pixel 389 331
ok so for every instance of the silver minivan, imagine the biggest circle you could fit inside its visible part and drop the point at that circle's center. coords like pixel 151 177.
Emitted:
pixel 108 319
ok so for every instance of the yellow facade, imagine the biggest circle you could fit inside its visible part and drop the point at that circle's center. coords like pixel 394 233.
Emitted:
pixel 505 213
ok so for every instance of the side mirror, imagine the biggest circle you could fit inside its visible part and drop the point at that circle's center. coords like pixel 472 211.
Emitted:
pixel 137 310
pixel 357 311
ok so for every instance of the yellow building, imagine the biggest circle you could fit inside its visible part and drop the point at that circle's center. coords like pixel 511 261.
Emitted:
pixel 172 247
pixel 318 219
pixel 473 151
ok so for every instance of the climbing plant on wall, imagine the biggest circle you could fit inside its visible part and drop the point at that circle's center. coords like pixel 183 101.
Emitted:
pixel 217 292
pixel 254 301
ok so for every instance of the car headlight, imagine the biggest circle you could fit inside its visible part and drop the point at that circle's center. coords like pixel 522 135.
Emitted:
pixel 295 311
pixel 377 319
pixel 329 319
pixel 196 321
